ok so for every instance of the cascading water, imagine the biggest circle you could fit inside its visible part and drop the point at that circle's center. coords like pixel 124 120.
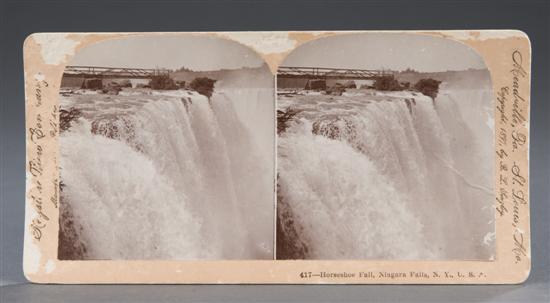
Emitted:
pixel 165 175
pixel 386 175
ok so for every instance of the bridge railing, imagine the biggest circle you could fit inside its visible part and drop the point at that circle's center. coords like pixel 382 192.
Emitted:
pixel 106 72
pixel 330 73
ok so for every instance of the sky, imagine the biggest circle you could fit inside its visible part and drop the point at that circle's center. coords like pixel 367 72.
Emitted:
pixel 395 51
pixel 386 51
pixel 199 53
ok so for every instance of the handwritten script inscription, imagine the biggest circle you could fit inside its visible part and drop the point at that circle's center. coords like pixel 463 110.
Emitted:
pixel 511 140
pixel 42 126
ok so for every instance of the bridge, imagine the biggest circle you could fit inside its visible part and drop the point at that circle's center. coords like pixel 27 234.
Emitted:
pixel 323 73
pixel 113 72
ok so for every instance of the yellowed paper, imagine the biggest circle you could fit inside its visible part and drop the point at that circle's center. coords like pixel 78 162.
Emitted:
pixel 219 211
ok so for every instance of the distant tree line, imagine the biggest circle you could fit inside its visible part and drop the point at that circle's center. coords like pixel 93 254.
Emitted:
pixel 202 85
pixel 426 86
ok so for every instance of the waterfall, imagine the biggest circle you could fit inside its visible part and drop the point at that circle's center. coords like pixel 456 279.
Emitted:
pixel 387 175
pixel 166 175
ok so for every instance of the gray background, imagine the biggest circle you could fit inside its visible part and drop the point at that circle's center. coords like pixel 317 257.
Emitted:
pixel 22 17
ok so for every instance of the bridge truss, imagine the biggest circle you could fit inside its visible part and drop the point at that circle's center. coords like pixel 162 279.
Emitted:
pixel 323 73
pixel 112 72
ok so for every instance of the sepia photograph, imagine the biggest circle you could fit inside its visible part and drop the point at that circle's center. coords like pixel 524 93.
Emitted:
pixel 311 157
pixel 166 151
pixel 385 150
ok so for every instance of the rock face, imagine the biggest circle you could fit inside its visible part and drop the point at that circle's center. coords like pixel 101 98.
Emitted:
pixel 124 83
pixel 387 83
pixel 203 85
pixel 289 244
pixel 71 246
pixel 113 88
pixel 284 117
pixel 66 116
pixel 93 83
pixel 350 84
pixel 142 85
pixel 428 87
pixel 337 90
pixel 163 82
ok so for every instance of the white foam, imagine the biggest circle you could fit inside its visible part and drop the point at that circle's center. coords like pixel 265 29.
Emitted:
pixel 357 170
pixel 170 175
